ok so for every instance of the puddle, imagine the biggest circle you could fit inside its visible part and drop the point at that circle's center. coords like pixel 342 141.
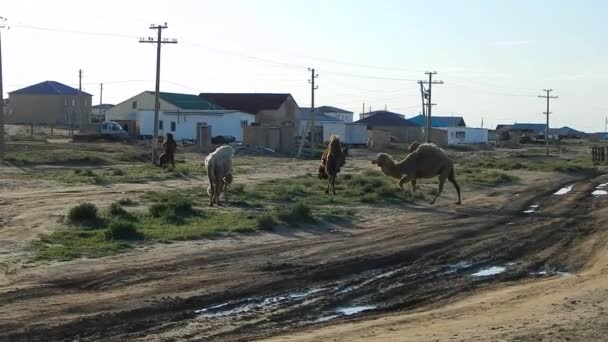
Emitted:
pixel 494 270
pixel 564 191
pixel 351 310
pixel 252 304
pixel 346 311
pixel 603 185
pixel 551 272
pixel 531 209
pixel 370 280
pixel 599 193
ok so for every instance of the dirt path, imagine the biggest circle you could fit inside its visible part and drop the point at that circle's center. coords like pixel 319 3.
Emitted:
pixel 262 285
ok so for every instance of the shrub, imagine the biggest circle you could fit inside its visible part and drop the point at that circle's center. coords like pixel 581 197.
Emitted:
pixel 297 213
pixel 77 171
pixel 266 221
pixel 83 213
pixel 158 210
pixel 89 173
pixel 126 201
pixel 120 230
pixel 117 211
pixel 117 172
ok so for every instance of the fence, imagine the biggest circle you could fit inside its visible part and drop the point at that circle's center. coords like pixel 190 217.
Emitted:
pixel 598 154
pixel 38 131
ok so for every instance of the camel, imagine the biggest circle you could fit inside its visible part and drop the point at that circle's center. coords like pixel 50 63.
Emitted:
pixel 426 161
pixel 331 161
pixel 219 167
pixel 170 146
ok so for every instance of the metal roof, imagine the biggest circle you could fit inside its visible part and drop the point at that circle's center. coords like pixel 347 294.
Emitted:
pixel 306 114
pixel 187 101
pixel 247 102
pixel 49 88
pixel 439 121
pixel 385 118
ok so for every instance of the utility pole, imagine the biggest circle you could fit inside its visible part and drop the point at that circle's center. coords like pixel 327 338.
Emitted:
pixel 80 106
pixel 2 19
pixel 312 102
pixel 548 97
pixel 362 112
pixel 430 103
pixel 310 124
pixel 159 42
pixel 422 96
pixel 100 98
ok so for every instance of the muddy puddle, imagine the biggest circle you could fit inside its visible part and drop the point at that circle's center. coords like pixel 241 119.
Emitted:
pixel 531 209
pixel 564 190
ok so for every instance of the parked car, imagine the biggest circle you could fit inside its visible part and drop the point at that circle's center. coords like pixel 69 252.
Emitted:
pixel 222 139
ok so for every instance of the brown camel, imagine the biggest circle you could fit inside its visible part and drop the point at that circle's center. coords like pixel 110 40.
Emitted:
pixel 331 161
pixel 427 161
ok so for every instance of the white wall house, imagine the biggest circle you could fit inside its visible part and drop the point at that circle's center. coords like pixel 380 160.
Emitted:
pixel 183 124
pixel 466 135
pixel 349 133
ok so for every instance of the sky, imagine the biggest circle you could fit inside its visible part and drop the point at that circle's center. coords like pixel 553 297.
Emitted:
pixel 495 57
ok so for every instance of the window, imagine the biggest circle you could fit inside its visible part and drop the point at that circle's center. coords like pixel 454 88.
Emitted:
pixel 172 126
pixel 160 125
pixel 460 135
pixel 244 123
pixel 134 105
pixel 73 102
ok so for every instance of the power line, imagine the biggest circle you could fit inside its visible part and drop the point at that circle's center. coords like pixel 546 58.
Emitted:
pixel 548 97
pixel 159 42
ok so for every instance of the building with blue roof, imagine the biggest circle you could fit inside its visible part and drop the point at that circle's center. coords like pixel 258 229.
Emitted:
pixel 49 102
pixel 439 121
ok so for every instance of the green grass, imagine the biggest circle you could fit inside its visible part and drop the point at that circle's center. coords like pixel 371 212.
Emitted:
pixel 485 178
pixel 525 162
pixel 68 154
pixel 71 243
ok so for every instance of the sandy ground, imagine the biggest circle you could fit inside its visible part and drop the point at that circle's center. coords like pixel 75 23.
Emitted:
pixel 411 266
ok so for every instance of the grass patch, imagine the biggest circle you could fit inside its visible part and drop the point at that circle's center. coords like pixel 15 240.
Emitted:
pixel 127 202
pixel 296 214
pixel 121 230
pixel 266 221
pixel 485 178
pixel 73 244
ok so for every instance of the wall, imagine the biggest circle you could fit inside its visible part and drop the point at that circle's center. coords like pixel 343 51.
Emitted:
pixel 346 117
pixel 471 135
pixel 145 102
pixel 288 112
pixel 403 133
pixel 186 123
pixel 274 137
pixel 48 109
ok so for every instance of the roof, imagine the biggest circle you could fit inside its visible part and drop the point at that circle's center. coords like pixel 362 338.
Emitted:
pixel 439 121
pixel 564 131
pixel 305 114
pixel 330 109
pixel 49 88
pixel 385 118
pixel 102 106
pixel 187 101
pixel 247 102
pixel 535 127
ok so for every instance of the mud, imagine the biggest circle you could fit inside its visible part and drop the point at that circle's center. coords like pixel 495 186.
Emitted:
pixel 414 257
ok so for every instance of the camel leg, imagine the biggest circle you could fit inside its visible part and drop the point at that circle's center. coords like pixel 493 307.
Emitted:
pixel 402 181
pixel 212 195
pixel 440 189
pixel 452 180
pixel 328 184
pixel 413 182
pixel 333 184
pixel 219 185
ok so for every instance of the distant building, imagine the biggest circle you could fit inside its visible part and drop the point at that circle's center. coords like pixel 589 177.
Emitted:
pixel 269 109
pixel 341 114
pixel 49 102
pixel 98 112
pixel 321 122
pixel 180 114
pixel 393 123
pixel 439 121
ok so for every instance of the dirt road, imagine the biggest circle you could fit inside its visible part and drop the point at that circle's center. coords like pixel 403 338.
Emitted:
pixel 395 262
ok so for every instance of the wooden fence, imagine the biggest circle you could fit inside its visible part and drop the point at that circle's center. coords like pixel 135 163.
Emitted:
pixel 598 154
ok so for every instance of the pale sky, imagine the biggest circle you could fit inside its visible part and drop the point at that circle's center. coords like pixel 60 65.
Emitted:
pixel 495 57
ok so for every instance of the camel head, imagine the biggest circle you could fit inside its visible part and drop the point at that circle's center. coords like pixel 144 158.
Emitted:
pixel 334 142
pixel 383 159
pixel 413 146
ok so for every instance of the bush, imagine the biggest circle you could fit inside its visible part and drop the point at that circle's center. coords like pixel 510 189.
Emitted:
pixel 117 172
pixel 158 210
pixel 266 221
pixel 126 202
pixel 117 211
pixel 120 230
pixel 89 173
pixel 173 209
pixel 83 213
pixel 297 213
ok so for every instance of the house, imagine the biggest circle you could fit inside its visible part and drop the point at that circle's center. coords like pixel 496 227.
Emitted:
pixel 98 112
pixel 335 112
pixel 320 121
pixel 179 114
pixel 49 102
pixel 393 123
pixel 269 109
pixel 439 121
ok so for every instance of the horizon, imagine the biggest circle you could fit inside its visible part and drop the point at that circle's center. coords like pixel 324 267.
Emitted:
pixel 495 58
